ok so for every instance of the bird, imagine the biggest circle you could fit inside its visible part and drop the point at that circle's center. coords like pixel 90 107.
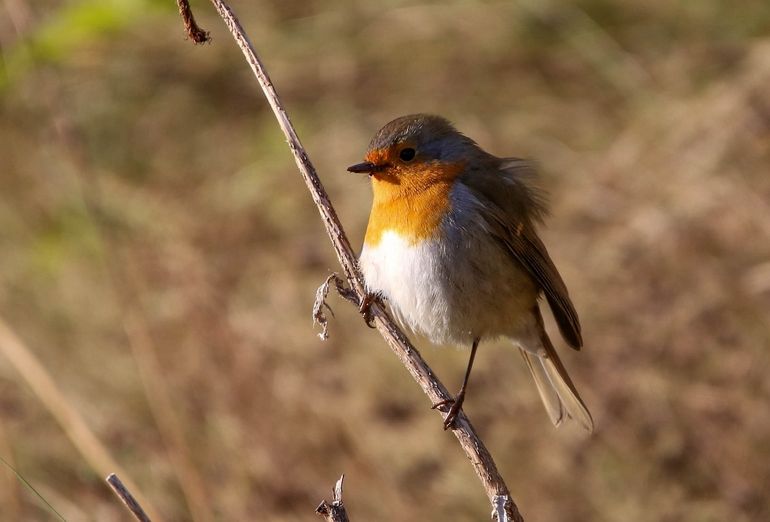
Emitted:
pixel 452 249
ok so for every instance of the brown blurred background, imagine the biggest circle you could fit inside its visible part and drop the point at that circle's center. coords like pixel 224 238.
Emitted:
pixel 159 256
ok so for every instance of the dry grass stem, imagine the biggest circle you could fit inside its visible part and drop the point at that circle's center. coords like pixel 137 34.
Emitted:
pixel 125 283
pixel 166 417
pixel 43 385
pixel 10 495
pixel 474 448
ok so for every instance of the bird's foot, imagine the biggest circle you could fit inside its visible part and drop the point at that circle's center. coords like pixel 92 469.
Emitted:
pixel 365 308
pixel 454 409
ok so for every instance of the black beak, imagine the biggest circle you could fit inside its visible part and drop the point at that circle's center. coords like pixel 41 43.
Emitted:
pixel 367 167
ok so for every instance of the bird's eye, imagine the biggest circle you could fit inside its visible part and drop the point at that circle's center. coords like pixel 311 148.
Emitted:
pixel 407 154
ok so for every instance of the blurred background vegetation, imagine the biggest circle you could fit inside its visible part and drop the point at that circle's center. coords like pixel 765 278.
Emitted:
pixel 159 256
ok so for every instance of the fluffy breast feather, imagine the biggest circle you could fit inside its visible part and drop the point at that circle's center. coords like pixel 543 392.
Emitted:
pixel 454 286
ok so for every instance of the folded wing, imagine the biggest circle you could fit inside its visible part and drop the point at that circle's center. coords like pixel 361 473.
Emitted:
pixel 514 205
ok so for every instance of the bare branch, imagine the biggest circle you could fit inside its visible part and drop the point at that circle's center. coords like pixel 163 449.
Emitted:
pixel 334 512
pixel 474 448
pixel 128 499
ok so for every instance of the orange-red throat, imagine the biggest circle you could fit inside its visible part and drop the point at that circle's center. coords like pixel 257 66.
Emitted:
pixel 410 199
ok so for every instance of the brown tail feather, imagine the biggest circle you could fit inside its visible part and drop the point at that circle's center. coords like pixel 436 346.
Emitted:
pixel 556 389
pixel 551 401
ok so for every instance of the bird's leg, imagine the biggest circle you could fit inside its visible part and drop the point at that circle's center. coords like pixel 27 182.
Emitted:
pixel 457 401
pixel 365 306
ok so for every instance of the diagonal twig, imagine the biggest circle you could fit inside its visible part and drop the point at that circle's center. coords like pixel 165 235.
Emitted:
pixel 128 499
pixel 494 485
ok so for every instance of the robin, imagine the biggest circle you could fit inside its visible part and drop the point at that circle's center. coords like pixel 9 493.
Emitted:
pixel 452 247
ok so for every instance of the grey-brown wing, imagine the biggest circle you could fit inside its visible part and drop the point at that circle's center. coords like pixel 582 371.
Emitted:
pixel 530 251
pixel 514 205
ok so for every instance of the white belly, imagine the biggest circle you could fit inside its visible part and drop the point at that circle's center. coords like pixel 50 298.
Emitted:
pixel 407 276
pixel 453 293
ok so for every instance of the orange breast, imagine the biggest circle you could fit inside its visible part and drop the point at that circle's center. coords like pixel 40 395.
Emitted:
pixel 411 201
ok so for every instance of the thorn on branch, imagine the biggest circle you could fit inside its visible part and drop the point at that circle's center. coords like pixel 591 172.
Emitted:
pixel 194 32
pixel 334 512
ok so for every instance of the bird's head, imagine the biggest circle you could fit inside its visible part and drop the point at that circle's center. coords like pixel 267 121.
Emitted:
pixel 413 152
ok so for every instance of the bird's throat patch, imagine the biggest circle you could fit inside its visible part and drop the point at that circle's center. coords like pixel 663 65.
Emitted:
pixel 411 201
